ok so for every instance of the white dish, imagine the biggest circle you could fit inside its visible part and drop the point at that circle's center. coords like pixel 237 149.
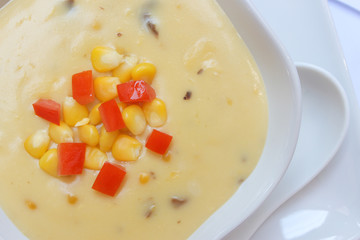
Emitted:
pixel 283 92
pixel 329 207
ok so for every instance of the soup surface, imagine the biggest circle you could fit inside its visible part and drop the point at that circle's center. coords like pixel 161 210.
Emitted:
pixel 215 100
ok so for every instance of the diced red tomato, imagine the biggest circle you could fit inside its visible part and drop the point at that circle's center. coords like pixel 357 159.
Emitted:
pixel 158 142
pixel 109 179
pixel 48 110
pixel 83 87
pixel 111 116
pixel 135 91
pixel 71 158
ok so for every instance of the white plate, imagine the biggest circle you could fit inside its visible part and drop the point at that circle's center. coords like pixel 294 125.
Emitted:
pixel 329 208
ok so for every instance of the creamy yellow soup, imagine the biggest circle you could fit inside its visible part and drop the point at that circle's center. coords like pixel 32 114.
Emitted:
pixel 218 130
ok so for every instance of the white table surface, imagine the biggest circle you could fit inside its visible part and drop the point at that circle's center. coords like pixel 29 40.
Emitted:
pixel 329 207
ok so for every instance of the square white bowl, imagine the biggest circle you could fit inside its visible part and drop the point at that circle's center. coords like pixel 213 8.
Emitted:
pixel 284 101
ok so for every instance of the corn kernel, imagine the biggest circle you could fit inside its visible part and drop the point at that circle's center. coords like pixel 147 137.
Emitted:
pixel 155 112
pixel 144 178
pixel 123 71
pixel 126 148
pixel 82 122
pixel 89 135
pixel 105 59
pixel 73 112
pixel 37 144
pixel 60 134
pixel 144 71
pixel 30 204
pixel 105 88
pixel 49 162
pixel 72 199
pixel 166 157
pixel 94 115
pixel 107 139
pixel 134 119
pixel 94 158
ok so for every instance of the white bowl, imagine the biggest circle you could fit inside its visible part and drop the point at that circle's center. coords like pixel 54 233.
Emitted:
pixel 283 91
pixel 284 99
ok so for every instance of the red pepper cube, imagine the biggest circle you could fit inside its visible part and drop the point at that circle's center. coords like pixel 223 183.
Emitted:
pixel 111 116
pixel 109 179
pixel 158 142
pixel 48 110
pixel 71 158
pixel 83 87
pixel 135 92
